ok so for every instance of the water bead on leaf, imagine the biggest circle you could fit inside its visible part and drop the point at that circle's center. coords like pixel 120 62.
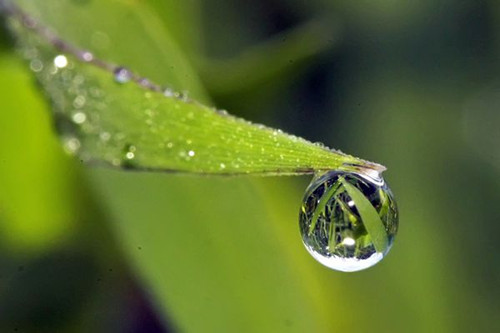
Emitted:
pixel 122 75
pixel 348 220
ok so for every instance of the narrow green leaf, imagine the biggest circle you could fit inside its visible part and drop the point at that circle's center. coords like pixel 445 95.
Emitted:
pixel 126 125
pixel 369 215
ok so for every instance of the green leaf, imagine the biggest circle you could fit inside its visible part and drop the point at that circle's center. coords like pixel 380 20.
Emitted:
pixel 369 215
pixel 126 125
pixel 332 191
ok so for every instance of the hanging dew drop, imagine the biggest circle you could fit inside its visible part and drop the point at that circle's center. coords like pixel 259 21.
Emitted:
pixel 348 220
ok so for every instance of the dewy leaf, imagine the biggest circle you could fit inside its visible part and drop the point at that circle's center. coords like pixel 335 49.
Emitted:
pixel 128 121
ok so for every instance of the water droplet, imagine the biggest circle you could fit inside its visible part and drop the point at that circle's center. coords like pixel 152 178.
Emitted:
pixel 87 56
pixel 130 152
pixel 122 75
pixel 105 136
pixel 191 153
pixel 348 220
pixel 60 61
pixel 71 145
pixel 36 65
pixel 79 101
pixel 145 82
pixel 168 92
pixel 79 118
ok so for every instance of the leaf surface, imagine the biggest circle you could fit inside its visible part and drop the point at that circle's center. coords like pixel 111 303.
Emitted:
pixel 128 125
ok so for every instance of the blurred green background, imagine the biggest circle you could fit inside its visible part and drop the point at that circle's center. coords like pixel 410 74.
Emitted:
pixel 412 85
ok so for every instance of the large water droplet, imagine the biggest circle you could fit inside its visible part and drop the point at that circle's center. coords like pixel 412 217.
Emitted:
pixel 348 220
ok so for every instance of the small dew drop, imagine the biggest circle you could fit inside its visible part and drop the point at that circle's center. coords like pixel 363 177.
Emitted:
pixel 79 118
pixel 129 152
pixel 79 101
pixel 61 61
pixel 191 153
pixel 36 65
pixel 122 75
pixel 168 92
pixel 87 56
pixel 72 145
pixel 144 82
pixel 105 136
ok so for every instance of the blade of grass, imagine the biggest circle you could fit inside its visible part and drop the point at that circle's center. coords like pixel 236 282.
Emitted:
pixel 369 215
pixel 126 126
pixel 332 191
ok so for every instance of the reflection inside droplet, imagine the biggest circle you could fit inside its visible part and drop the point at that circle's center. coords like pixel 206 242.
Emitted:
pixel 348 220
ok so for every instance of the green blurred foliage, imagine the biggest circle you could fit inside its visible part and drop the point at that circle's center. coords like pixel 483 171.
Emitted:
pixel 414 87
